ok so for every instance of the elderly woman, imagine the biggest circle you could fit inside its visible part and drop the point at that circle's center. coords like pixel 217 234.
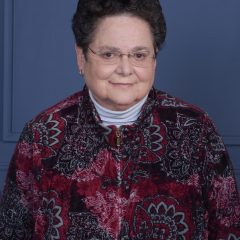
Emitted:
pixel 120 159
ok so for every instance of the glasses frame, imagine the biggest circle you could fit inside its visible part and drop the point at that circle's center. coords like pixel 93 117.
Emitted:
pixel 119 55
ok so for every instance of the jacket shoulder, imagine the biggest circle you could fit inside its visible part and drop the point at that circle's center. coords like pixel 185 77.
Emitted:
pixel 50 124
pixel 174 104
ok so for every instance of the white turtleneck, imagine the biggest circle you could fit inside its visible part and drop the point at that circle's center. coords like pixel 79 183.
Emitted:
pixel 118 118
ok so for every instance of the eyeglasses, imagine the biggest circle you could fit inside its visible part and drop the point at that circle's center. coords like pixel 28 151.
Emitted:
pixel 140 58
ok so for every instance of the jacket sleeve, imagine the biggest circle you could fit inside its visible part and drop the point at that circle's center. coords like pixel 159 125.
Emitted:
pixel 222 197
pixel 16 205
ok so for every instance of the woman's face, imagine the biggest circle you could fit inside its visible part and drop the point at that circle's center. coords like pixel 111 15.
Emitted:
pixel 120 85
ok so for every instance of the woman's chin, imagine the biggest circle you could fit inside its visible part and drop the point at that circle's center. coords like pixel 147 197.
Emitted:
pixel 121 103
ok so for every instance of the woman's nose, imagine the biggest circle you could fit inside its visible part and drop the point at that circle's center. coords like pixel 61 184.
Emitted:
pixel 124 66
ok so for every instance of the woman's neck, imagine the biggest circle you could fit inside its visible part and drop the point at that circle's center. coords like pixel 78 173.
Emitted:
pixel 118 118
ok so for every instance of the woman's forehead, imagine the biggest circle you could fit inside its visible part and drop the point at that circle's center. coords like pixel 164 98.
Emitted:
pixel 123 31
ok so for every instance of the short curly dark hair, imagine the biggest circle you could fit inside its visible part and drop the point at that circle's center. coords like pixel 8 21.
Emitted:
pixel 90 12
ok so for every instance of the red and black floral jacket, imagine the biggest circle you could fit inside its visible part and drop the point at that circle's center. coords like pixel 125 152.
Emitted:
pixel 167 176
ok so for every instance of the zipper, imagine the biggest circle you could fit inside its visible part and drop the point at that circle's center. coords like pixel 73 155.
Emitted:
pixel 119 177
pixel 118 137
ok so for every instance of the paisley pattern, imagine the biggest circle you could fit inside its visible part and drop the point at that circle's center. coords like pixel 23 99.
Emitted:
pixel 170 178
pixel 156 219
pixel 73 155
pixel 15 218
pixel 182 152
pixel 85 226
pixel 233 237
pixel 53 213
pixel 153 142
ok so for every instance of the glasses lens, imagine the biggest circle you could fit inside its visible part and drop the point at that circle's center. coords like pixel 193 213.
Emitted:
pixel 109 57
pixel 139 59
pixel 142 59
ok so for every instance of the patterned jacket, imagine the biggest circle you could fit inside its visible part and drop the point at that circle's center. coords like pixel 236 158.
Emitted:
pixel 167 176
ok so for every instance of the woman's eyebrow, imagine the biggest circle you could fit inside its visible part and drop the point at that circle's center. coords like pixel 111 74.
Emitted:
pixel 110 48
pixel 116 49
pixel 141 48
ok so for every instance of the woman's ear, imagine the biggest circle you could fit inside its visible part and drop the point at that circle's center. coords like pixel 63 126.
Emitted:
pixel 80 59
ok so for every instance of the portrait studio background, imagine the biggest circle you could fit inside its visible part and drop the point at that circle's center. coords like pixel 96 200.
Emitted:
pixel 200 63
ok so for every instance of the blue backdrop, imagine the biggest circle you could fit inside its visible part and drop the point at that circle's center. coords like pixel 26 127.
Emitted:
pixel 200 63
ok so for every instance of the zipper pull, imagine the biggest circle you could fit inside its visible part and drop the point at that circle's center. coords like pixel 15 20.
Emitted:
pixel 118 137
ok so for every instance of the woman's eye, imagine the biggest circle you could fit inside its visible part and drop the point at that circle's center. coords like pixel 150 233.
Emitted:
pixel 107 55
pixel 140 56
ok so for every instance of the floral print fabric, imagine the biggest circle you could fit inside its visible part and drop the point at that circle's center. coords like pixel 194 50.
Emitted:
pixel 167 176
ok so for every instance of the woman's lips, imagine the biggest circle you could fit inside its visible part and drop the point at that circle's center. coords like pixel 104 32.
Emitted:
pixel 122 84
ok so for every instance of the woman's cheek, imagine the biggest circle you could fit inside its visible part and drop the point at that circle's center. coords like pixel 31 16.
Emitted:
pixel 103 72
